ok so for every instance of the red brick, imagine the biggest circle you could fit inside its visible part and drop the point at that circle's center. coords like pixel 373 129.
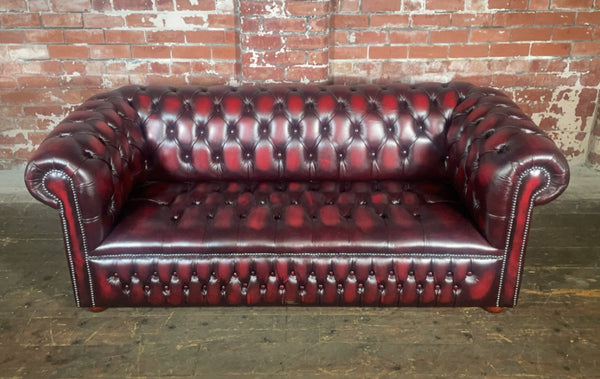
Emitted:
pixel 571 4
pixel 408 36
pixel 596 33
pixel 18 139
pixel 208 36
pixel 110 51
pixel 150 51
pixel 445 5
pixel 101 5
pixel 165 36
pixel 7 36
pixel 550 49
pixel 531 34
pixel 438 20
pixel 16 20
pixel 13 5
pixel 84 36
pixel 591 78
pixel 191 52
pixel 124 36
pixel 198 66
pixel 388 52
pixel 348 5
pixel 554 18
pixel 198 5
pixel 254 7
pixel 7 82
pixel 62 20
pixel 306 8
pixel 132 4
pixel 472 19
pixel 221 20
pixel 44 35
pixel 425 51
pixel 68 51
pixel 284 24
pixel 370 37
pixel 586 48
pixel 552 80
pixel 318 57
pixel 588 18
pixel 38 5
pixel 512 18
pixel 180 67
pixel 70 5
pixel 228 69
pixel 140 19
pixel 340 21
pixel 582 65
pixel 389 20
pixel 284 58
pixel 539 4
pixel 490 35
pixel 96 20
pixel 250 24
pixel 37 81
pixel 381 5
pixel 263 73
pixel 338 37
pixel 310 73
pixel 546 65
pixel 27 52
pixel 224 52
pixel 348 52
pixel 507 4
pixel 448 36
pixel 262 42
pixel 414 6
pixel 509 49
pixel 468 50
pixel 572 33
pixel 42 67
pixel 318 24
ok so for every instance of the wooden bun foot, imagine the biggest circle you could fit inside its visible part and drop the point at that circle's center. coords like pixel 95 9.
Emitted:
pixel 493 309
pixel 97 309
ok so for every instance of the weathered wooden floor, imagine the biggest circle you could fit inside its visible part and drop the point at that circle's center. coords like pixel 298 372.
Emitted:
pixel 554 332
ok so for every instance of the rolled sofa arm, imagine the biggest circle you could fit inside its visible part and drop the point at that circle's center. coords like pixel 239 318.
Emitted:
pixel 496 154
pixel 88 164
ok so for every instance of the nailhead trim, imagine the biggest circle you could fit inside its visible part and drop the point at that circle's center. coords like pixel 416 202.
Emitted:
pixel 329 255
pixel 66 234
pixel 509 233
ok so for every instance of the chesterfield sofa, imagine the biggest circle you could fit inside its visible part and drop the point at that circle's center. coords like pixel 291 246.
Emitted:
pixel 367 195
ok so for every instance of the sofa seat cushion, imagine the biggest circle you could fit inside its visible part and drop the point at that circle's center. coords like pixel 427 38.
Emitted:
pixel 248 218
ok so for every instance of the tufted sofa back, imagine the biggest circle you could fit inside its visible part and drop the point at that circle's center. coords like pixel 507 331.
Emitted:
pixel 296 132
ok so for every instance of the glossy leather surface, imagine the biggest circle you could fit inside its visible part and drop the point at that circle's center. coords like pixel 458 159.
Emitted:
pixel 252 218
pixel 443 171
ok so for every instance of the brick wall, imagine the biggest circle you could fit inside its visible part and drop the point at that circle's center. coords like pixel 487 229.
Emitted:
pixel 55 53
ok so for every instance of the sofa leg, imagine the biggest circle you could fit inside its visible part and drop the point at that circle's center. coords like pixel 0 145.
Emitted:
pixel 97 309
pixel 493 309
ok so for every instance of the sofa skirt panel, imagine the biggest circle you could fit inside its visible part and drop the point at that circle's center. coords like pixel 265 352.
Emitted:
pixel 348 279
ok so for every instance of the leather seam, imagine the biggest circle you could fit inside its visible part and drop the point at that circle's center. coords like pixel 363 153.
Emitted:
pixel 318 255
pixel 66 234
pixel 509 233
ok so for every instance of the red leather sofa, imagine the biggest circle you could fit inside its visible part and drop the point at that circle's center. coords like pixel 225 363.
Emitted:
pixel 375 195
